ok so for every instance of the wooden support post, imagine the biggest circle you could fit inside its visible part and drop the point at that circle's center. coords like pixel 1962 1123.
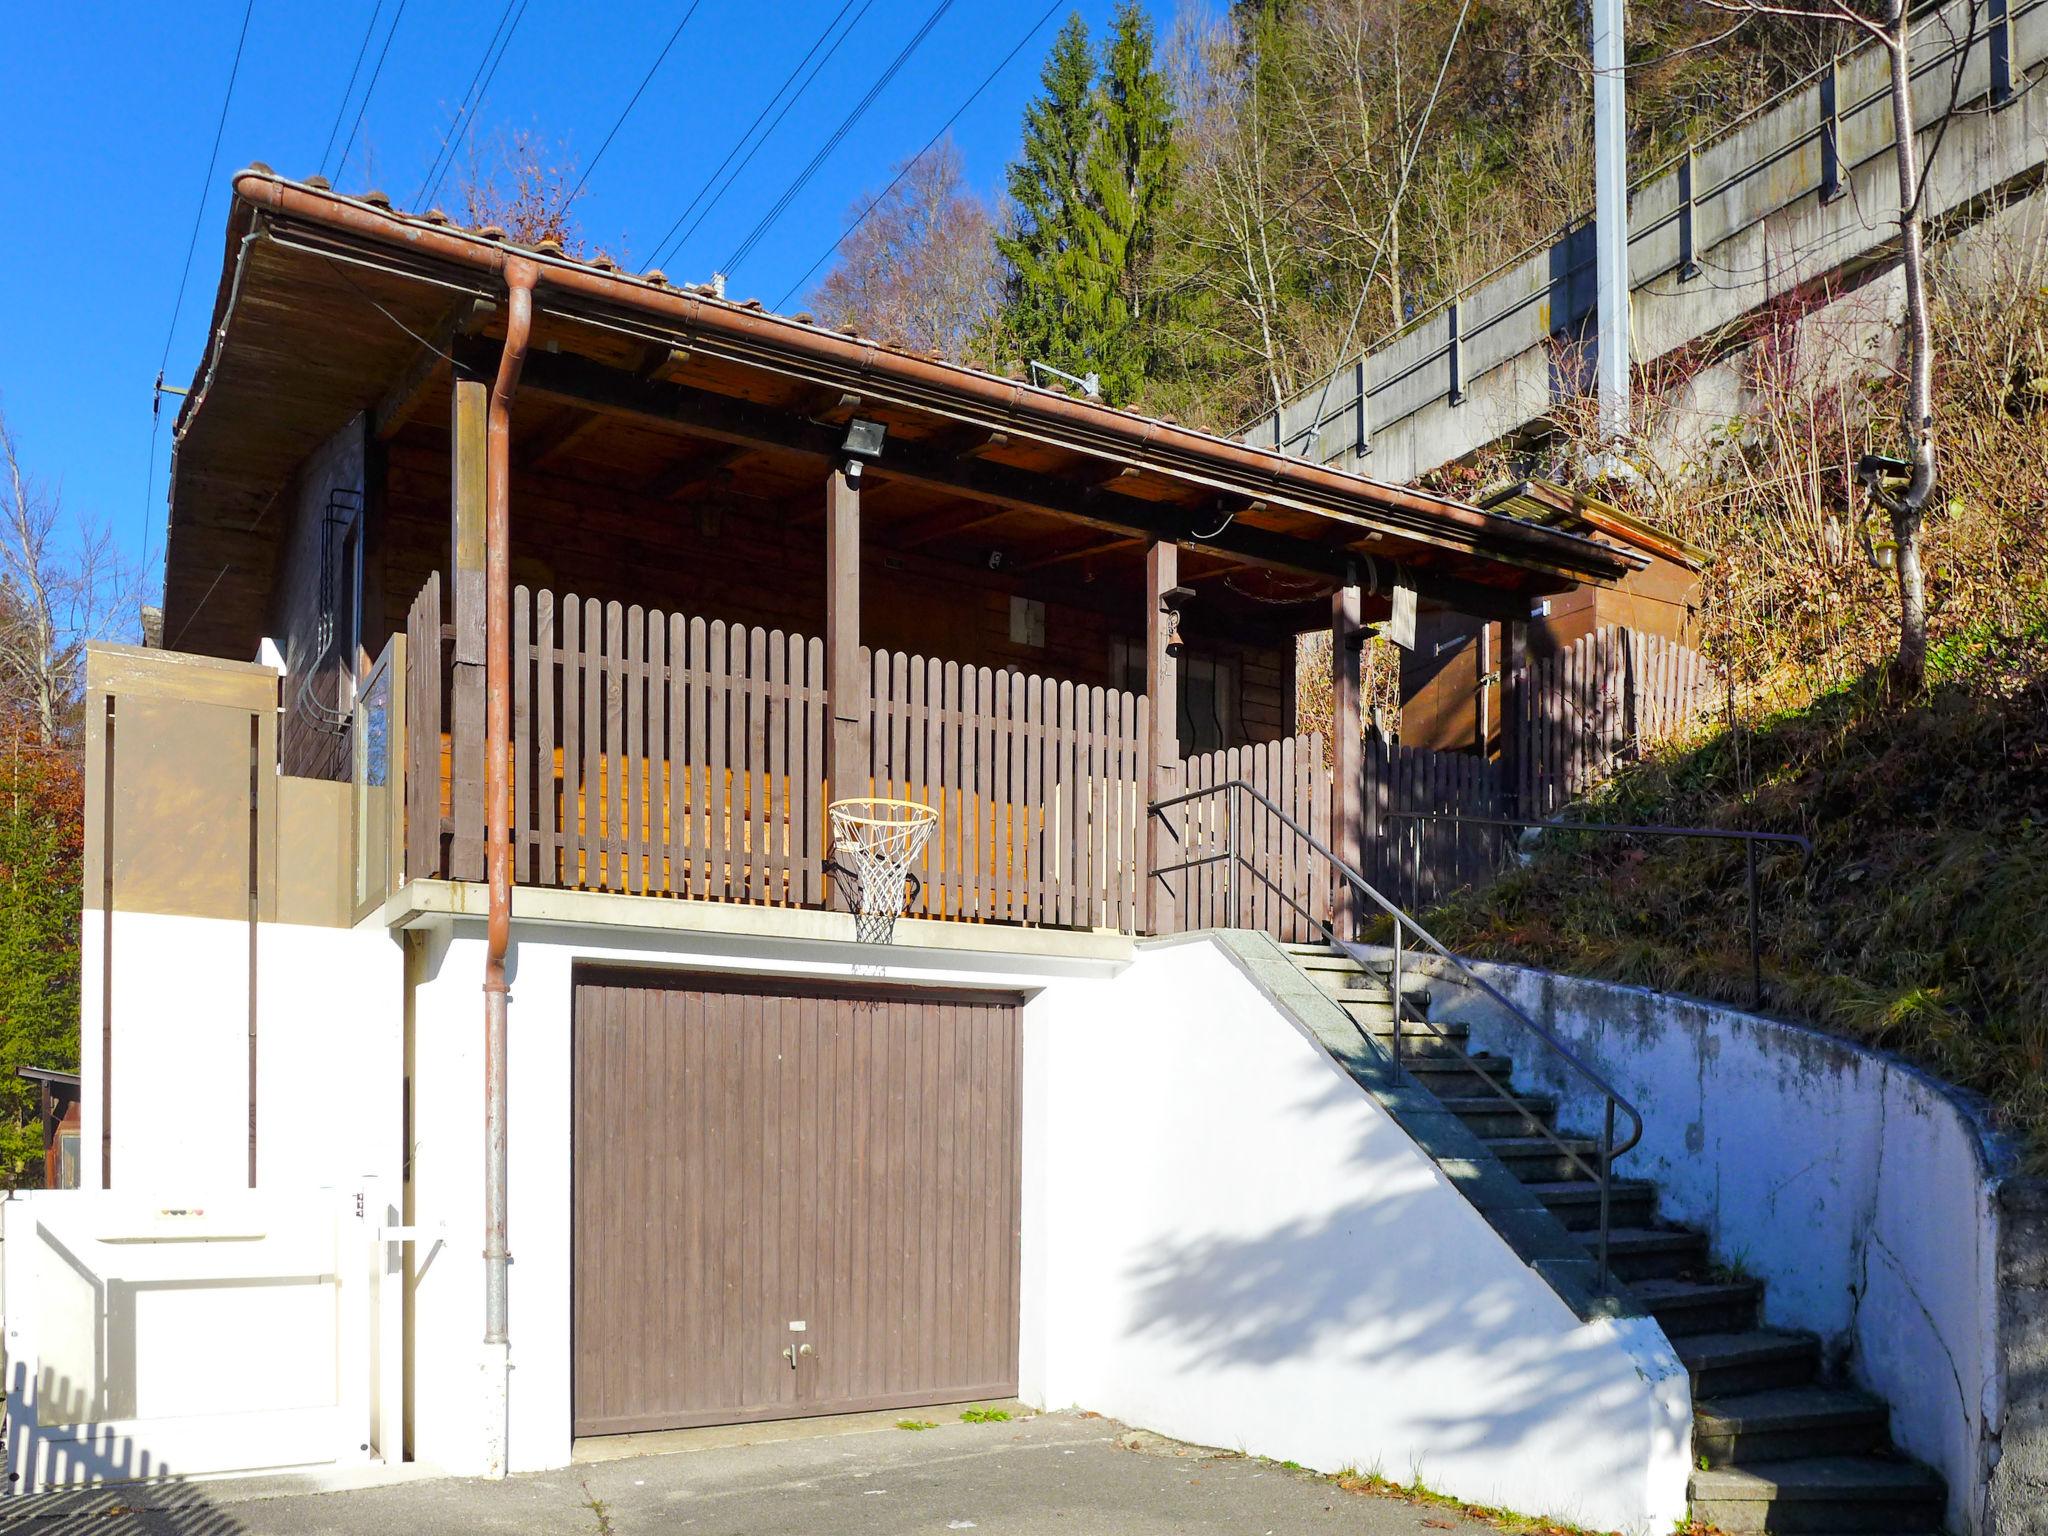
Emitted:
pixel 466 592
pixel 1482 736
pixel 1162 753
pixel 1514 745
pixel 846 680
pixel 1347 740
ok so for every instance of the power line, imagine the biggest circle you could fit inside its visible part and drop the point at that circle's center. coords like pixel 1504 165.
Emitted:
pixel 620 123
pixel 369 90
pixel 754 236
pixel 944 128
pixel 341 109
pixel 661 246
pixel 1393 212
pixel 185 272
pixel 472 101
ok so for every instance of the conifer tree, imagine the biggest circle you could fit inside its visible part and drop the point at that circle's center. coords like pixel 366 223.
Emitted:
pixel 1128 178
pixel 1042 245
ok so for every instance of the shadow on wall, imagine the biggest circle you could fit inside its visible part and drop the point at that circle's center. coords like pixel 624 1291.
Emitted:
pixel 1400 1289
pixel 51 1467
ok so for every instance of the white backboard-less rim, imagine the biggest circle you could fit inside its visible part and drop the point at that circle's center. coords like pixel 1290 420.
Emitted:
pixel 875 841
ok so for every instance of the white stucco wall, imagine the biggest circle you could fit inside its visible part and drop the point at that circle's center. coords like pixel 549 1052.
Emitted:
pixel 447 973
pixel 328 1035
pixel 1857 1188
pixel 1229 1242
pixel 1344 1306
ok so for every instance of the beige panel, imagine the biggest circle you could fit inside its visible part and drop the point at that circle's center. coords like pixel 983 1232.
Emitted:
pixel 181 824
pixel 313 821
pixel 122 669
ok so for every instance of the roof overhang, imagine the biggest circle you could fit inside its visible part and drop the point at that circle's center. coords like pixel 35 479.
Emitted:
pixel 1552 505
pixel 331 306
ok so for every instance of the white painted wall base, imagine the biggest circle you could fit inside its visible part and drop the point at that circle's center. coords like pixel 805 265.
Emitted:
pixel 1227 1241
pixel 1224 1238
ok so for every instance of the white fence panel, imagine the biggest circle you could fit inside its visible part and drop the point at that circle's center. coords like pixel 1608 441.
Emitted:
pixel 237 1331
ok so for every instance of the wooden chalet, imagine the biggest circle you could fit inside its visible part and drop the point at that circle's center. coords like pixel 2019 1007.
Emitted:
pixel 749 564
pixel 1453 682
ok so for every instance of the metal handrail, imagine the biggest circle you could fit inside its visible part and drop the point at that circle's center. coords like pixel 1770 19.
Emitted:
pixel 1719 834
pixel 1234 857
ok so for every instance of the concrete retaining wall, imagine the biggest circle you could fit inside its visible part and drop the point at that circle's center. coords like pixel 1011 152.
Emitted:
pixel 1869 1197
pixel 1762 229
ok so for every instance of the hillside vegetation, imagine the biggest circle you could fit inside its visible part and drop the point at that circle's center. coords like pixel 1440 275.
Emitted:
pixel 1922 921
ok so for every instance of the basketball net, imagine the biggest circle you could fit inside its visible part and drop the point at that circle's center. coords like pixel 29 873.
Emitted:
pixel 876 842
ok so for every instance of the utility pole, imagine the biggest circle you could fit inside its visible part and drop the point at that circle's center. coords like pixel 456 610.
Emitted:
pixel 1610 216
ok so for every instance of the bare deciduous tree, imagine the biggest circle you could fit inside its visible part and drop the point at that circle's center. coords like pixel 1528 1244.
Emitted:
pixel 918 269
pixel 62 583
pixel 1891 26
pixel 525 187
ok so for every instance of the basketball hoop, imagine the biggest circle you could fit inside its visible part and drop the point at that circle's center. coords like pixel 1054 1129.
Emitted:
pixel 875 842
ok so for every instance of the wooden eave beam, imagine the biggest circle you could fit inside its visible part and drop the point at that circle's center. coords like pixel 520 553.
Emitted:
pixel 538 448
pixel 687 476
pixel 428 369
pixel 721 418
pixel 1080 552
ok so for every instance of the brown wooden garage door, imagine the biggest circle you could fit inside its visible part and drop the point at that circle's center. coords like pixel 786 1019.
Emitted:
pixel 761 1170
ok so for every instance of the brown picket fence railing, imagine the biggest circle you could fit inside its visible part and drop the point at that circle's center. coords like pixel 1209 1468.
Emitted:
pixel 659 755
pixel 1217 838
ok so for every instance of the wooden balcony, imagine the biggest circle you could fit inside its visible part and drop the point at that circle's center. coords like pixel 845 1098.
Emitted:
pixel 659 755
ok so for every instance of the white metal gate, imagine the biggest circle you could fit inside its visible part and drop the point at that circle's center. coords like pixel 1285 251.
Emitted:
pixel 150 1337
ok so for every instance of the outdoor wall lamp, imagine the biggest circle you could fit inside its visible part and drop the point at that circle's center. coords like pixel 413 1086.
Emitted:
pixel 863 443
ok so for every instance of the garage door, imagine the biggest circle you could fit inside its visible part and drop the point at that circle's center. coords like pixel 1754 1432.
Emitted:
pixel 790 1202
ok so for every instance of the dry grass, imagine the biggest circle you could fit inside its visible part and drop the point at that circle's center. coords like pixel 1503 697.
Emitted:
pixel 1921 923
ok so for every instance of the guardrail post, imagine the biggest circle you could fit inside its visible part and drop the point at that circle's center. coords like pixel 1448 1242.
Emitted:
pixel 1756 972
pixel 1831 132
pixel 1688 240
pixel 1455 353
pixel 1230 857
pixel 1361 443
pixel 1606 1187
pixel 1999 26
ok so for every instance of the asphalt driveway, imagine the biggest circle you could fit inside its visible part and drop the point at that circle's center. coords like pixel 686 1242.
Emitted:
pixel 1062 1473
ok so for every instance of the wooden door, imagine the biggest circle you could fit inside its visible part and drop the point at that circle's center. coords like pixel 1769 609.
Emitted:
pixel 790 1201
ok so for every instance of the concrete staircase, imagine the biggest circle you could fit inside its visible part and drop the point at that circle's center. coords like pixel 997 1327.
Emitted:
pixel 1776 1448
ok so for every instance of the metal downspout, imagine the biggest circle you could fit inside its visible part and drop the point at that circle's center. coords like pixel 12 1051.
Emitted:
pixel 520 276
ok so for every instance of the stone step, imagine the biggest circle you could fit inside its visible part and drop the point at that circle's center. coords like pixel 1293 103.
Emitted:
pixel 1649 1253
pixel 1489 1114
pixel 1699 1306
pixel 1419 1040
pixel 1749 1360
pixel 1821 1493
pixel 1576 1203
pixel 1538 1159
pixel 1787 1424
pixel 1452 1070
pixel 1378 1002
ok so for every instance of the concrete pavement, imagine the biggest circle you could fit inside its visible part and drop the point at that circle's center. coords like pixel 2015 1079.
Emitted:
pixel 1061 1473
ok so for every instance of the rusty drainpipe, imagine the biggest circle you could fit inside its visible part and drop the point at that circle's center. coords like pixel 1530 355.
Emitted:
pixel 520 276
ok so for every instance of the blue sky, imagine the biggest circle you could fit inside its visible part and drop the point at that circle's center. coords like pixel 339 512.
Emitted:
pixel 112 110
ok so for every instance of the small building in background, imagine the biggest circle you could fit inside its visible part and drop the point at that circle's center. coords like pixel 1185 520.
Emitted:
pixel 57 1106
pixel 1451 682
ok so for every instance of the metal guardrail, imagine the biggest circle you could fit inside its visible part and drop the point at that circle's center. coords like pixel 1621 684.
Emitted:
pixel 1994 35
pixel 1750 841
pixel 1236 858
